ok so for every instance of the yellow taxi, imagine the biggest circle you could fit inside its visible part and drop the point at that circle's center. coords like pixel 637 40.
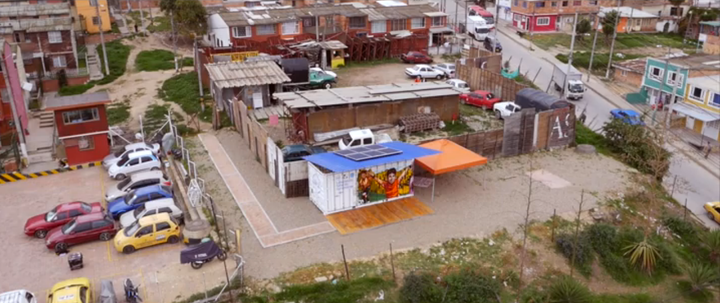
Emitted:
pixel 76 290
pixel 713 209
pixel 147 231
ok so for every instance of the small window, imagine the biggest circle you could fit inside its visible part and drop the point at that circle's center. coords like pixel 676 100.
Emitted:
pixel 165 210
pixel 564 3
pixel 623 73
pixel 437 21
pixel 543 21
pixel 358 22
pixel 80 115
pixel 398 25
pixel 290 28
pixel 524 4
pixel 697 93
pixel 516 17
pixel 86 143
pixel 100 224
pixel 355 143
pixel 95 21
pixel 61 216
pixel 82 227
pixel 656 73
pixel 241 31
pixel 155 196
pixel 135 161
pixel 515 3
pixel 146 159
pixel 55 37
pixel 417 23
pixel 75 213
pixel 18 37
pixel 553 4
pixel 162 226
pixel 144 231
pixel 59 61
pixel 367 141
pixel 540 4
pixel 577 3
pixel 378 27
pixel 266 29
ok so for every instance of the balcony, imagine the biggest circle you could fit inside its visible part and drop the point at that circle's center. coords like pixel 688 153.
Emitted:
pixel 322 30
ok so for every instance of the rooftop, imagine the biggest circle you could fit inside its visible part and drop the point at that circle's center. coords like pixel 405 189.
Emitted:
pixel 707 82
pixel 695 61
pixel 76 101
pixel 626 11
pixel 31 10
pixel 710 23
pixel 336 163
pixel 364 94
pixel 236 74
pixel 37 25
pixel 635 65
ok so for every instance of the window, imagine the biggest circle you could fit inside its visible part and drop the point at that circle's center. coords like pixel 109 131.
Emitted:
pixel 93 2
pixel 676 11
pixel 516 17
pixel 75 213
pixel 417 23
pixel 357 22
pixel 266 29
pixel 593 2
pixel 565 3
pixel 55 37
pixel 379 27
pixel 543 21
pixel 290 28
pixel 96 21
pixel 241 31
pixel 697 94
pixel 135 161
pixel 59 61
pixel 82 227
pixel 516 3
pixel 61 216
pixel 146 159
pixel 524 4
pixel 715 100
pixel 437 21
pixel 398 25
pixel 162 226
pixel 165 210
pixel 144 231
pixel 308 22
pixel 675 78
pixel 656 73
pixel 577 3
pixel 101 224
pixel 80 115
pixel 18 37
pixel 86 143
pixel 553 4
pixel 540 4
pixel 624 73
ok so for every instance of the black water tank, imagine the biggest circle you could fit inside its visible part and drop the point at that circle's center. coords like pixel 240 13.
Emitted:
pixel 539 100
pixel 297 69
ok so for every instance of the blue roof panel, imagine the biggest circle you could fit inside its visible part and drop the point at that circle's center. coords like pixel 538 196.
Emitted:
pixel 337 163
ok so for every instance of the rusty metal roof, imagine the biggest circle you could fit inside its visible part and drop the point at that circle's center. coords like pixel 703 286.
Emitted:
pixel 238 74
pixel 635 65
pixel 31 10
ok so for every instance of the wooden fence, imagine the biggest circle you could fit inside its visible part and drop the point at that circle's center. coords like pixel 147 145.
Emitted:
pixel 487 80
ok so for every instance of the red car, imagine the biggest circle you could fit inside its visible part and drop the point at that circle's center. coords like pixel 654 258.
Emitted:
pixel 85 228
pixel 39 225
pixel 479 98
pixel 415 57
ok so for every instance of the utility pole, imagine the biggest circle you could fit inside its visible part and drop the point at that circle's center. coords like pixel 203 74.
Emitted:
pixel 172 23
pixel 142 17
pixel 612 44
pixel 466 15
pixel 16 118
pixel 198 68
pixel 592 52
pixel 317 29
pixel 497 17
pixel 456 13
pixel 662 85
pixel 570 57
pixel 102 36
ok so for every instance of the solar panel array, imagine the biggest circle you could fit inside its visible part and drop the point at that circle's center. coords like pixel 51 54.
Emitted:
pixel 363 153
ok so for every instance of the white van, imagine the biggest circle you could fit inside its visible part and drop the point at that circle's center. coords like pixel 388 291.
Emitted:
pixel 166 205
pixel 17 296
pixel 133 163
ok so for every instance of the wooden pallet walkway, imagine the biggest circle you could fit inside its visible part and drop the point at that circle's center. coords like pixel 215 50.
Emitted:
pixel 378 215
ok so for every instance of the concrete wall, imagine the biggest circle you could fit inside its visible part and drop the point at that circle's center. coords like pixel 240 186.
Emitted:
pixel 712 45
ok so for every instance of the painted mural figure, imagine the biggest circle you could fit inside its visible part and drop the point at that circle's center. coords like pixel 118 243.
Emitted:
pixel 386 185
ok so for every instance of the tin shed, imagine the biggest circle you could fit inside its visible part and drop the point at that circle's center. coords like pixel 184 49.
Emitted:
pixel 362 176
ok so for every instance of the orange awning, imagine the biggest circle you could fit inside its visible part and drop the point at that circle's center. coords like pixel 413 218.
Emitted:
pixel 452 157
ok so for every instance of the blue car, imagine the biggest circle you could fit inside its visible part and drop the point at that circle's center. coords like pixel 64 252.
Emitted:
pixel 137 197
pixel 628 116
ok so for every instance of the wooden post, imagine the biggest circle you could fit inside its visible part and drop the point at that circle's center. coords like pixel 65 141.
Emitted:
pixel 685 211
pixel 392 262
pixel 552 227
pixel 577 231
pixel 347 271
pixel 672 191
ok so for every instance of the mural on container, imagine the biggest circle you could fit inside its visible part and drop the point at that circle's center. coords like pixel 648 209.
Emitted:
pixel 386 185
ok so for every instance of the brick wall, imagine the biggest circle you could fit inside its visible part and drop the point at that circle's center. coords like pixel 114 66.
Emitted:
pixel 712 45
pixel 52 85
pixel 629 77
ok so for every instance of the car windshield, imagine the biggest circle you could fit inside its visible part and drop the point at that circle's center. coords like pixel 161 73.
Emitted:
pixel 123 183
pixel 346 141
pixel 482 30
pixel 138 211
pixel 68 227
pixel 119 153
pixel 86 207
pixel 576 88
pixel 451 67
pixel 132 229
pixel 51 214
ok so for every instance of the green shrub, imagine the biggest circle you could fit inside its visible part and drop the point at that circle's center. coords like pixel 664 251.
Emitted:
pixel 603 238
pixel 585 135
pixel 75 89
pixel 183 90
pixel 638 148
pixel 327 292
pixel 568 290
pixel 565 243
pixel 471 286
pixel 117 60
pixel 684 229
pixel 420 288
pixel 600 60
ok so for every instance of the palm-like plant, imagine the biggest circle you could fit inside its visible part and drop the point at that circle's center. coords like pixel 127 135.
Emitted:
pixel 569 290
pixel 702 276
pixel 712 240
pixel 643 253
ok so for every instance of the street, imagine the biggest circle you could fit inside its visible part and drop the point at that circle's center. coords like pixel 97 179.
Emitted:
pixel 694 182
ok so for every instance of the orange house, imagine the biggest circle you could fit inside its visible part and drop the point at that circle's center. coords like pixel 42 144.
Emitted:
pixel 631 20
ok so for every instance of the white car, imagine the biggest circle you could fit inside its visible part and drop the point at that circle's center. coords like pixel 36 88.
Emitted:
pixel 505 109
pixel 321 71
pixel 447 68
pixel 137 180
pixel 110 159
pixel 166 205
pixel 459 84
pixel 424 71
pixel 133 163
pixel 362 137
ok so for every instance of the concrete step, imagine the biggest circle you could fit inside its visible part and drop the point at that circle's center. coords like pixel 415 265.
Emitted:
pixel 46 125
pixel 40 157
pixel 46 118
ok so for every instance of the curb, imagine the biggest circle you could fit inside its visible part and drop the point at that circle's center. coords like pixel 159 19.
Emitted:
pixel 16 176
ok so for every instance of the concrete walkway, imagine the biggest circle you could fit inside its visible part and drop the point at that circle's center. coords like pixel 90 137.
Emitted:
pixel 263 228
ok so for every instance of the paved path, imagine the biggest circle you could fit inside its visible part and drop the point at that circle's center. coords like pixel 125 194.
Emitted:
pixel 264 229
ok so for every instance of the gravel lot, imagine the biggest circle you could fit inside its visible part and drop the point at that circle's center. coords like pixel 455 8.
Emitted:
pixel 471 203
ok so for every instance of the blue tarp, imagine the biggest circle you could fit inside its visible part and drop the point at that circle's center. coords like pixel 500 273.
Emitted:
pixel 337 163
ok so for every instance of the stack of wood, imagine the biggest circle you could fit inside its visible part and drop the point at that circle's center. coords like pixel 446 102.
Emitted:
pixel 420 122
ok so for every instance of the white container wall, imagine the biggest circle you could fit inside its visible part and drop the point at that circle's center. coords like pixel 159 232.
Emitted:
pixel 334 192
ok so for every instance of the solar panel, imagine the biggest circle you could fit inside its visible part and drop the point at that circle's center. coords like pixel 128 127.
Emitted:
pixel 368 152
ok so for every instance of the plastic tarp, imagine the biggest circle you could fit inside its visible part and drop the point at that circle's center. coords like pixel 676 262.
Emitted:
pixel 107 292
pixel 452 157
pixel 533 98
pixel 200 252
pixel 336 163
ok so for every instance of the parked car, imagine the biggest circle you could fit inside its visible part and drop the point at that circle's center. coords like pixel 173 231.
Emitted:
pixel 447 68
pixel 424 71
pixel 41 224
pixel 713 211
pixel 505 109
pixel 110 159
pixel 296 152
pixel 322 71
pixel 78 290
pixel 362 137
pixel 150 208
pixel 136 181
pixel 416 57
pixel 492 44
pixel 628 116
pixel 479 98
pixel 18 296
pixel 137 197
pixel 459 84
pixel 85 228
pixel 148 231
pixel 133 163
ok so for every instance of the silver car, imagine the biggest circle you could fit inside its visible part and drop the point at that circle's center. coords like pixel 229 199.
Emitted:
pixel 447 68
pixel 166 205
pixel 137 180
pixel 110 159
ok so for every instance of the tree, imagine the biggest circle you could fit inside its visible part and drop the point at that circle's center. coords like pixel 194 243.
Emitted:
pixel 608 24
pixel 188 15
pixel 583 27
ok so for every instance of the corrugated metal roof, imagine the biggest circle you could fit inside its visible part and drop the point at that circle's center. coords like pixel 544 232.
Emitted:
pixel 373 15
pixel 30 10
pixel 336 163
pixel 238 74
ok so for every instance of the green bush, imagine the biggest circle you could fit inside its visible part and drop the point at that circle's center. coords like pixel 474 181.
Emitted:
pixel 585 135
pixel 600 60
pixel 568 290
pixel 75 89
pixel 183 90
pixel 158 59
pixel 420 288
pixel 327 292
pixel 471 286
pixel 603 238
pixel 686 230
pixel 638 148
pixel 565 243
pixel 117 60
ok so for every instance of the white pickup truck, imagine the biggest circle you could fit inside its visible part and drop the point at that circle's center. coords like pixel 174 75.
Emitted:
pixel 362 137
pixel 505 109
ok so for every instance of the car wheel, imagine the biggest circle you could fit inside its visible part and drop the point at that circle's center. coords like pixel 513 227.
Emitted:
pixel 120 177
pixel 439 77
pixel 498 115
pixel 173 239
pixel 328 85
pixel 196 265
pixel 710 216
pixel 105 237
pixel 155 168
pixel 40 234
pixel 61 246
pixel 128 249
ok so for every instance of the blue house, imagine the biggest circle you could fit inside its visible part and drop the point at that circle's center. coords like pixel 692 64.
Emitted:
pixel 660 83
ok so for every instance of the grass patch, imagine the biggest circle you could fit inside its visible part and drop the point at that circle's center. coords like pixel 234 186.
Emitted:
pixel 450 58
pixel 118 112
pixel 585 135
pixel 327 292
pixel 183 90
pixel 117 60
pixel 158 59
pixel 623 41
pixel 600 60
pixel 114 28
pixel 159 24
pixel 370 63
pixel 75 89
pixel 522 80
pixel 457 127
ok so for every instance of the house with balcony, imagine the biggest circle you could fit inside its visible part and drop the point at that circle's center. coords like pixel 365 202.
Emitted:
pixel 701 106
pixel 659 82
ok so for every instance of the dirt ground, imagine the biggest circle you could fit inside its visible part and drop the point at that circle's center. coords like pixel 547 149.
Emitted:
pixel 377 74
pixel 471 203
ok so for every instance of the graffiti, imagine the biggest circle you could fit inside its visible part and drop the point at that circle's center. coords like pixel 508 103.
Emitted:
pixel 387 185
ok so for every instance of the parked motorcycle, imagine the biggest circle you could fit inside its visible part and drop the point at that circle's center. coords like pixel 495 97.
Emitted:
pixel 202 253
pixel 131 292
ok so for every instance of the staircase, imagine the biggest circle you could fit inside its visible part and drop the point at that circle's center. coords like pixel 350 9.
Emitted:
pixel 47 119
pixel 93 62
